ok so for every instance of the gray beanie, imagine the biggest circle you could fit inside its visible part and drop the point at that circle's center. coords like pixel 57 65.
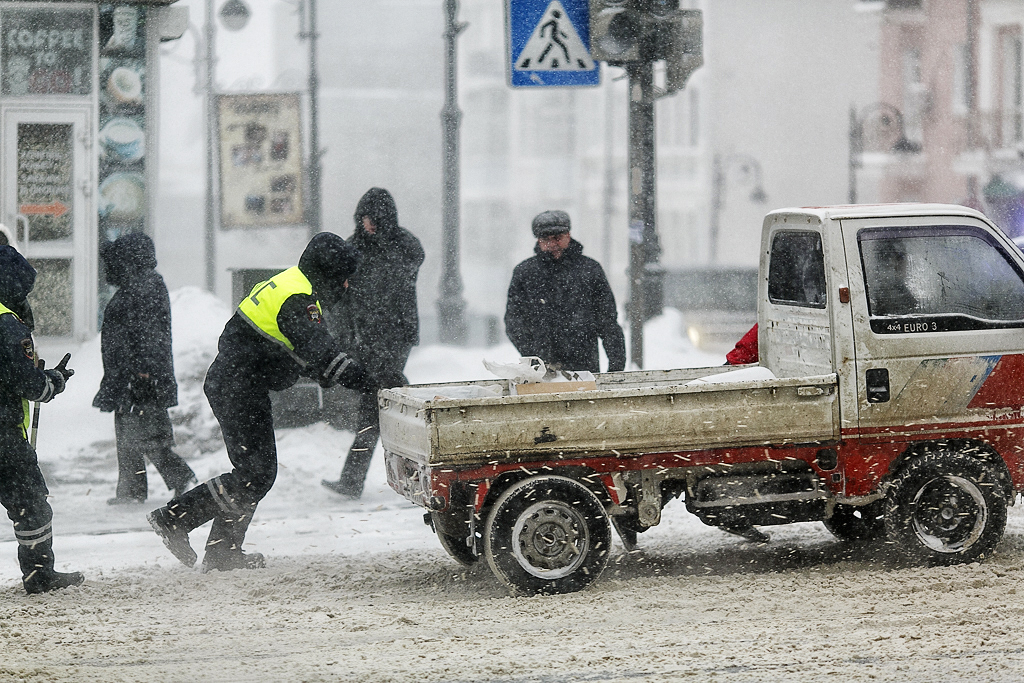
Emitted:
pixel 550 223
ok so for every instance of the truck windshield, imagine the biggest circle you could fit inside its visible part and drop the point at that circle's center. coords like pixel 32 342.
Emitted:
pixel 939 279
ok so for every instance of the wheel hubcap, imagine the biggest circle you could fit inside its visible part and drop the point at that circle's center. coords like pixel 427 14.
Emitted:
pixel 550 539
pixel 950 514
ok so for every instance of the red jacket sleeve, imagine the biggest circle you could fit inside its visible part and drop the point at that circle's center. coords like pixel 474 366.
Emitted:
pixel 745 350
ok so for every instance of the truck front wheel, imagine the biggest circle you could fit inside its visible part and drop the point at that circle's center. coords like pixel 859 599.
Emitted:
pixel 547 534
pixel 946 508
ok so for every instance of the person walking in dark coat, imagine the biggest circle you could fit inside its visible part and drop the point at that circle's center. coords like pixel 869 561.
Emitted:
pixel 378 316
pixel 138 383
pixel 23 490
pixel 560 303
pixel 275 335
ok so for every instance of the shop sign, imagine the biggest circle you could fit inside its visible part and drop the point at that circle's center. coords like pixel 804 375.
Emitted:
pixel 260 159
pixel 46 52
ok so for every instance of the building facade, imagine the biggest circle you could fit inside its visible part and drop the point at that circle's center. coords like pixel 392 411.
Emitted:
pixel 77 142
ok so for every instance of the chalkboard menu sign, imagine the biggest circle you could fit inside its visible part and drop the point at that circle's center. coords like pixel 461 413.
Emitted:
pixel 46 158
pixel 46 52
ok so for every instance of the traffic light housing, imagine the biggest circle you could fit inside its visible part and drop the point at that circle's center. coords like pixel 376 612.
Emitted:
pixel 615 31
pixel 629 31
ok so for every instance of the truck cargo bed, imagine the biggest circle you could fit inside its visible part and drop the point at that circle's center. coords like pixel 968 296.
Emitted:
pixel 471 423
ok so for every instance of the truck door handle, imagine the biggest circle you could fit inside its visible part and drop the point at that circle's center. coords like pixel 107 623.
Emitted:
pixel 877 381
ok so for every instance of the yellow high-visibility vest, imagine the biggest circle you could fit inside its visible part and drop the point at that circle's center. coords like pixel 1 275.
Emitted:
pixel 264 302
pixel 27 422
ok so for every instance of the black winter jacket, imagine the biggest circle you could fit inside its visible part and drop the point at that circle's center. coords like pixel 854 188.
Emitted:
pixel 255 361
pixel 378 315
pixel 135 338
pixel 559 308
pixel 19 377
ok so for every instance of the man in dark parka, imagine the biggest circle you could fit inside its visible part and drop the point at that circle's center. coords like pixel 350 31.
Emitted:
pixel 275 335
pixel 379 317
pixel 560 303
pixel 138 383
pixel 23 491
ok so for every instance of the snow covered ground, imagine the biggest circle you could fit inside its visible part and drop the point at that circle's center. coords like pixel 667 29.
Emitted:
pixel 362 591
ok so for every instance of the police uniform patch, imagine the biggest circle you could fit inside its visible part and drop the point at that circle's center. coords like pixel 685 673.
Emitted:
pixel 313 312
pixel 30 351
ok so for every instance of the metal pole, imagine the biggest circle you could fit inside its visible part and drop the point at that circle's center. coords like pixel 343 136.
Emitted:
pixel 854 152
pixel 717 181
pixel 451 306
pixel 315 217
pixel 643 236
pixel 211 141
pixel 609 171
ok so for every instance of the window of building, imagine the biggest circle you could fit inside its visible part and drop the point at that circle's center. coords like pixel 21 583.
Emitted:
pixel 962 78
pixel 940 278
pixel 914 96
pixel 796 272
pixel 1011 85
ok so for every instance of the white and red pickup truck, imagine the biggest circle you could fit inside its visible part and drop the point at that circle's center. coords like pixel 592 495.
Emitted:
pixel 888 402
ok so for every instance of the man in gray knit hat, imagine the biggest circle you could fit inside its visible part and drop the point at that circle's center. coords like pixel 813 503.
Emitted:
pixel 560 303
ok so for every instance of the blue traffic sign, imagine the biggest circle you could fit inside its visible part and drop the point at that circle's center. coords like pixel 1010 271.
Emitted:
pixel 548 43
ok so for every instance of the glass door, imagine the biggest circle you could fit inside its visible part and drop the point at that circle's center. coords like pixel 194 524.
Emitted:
pixel 46 204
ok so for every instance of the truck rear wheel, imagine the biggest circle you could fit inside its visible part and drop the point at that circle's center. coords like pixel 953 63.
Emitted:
pixel 547 535
pixel 946 508
pixel 453 545
pixel 857 522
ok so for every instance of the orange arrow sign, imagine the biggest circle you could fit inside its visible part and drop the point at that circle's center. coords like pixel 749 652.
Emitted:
pixel 54 208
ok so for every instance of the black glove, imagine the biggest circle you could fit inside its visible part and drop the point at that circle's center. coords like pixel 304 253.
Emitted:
pixel 63 369
pixel 58 381
pixel 389 379
pixel 344 370
pixel 143 389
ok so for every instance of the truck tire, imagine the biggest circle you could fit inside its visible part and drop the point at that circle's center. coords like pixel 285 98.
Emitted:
pixel 547 534
pixel 857 522
pixel 453 545
pixel 946 508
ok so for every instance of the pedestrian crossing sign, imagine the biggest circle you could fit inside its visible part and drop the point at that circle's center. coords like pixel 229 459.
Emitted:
pixel 549 43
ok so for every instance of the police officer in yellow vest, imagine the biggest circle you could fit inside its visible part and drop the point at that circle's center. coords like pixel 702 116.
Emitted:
pixel 275 335
pixel 23 491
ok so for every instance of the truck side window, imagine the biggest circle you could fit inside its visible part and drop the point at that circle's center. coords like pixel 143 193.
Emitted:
pixel 796 272
pixel 939 279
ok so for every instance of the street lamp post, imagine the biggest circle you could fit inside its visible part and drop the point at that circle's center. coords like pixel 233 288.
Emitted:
pixel 314 217
pixel 451 306
pixel 889 119
pixel 720 167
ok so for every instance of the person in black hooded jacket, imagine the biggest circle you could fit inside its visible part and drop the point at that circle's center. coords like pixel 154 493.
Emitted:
pixel 138 383
pixel 378 317
pixel 275 335
pixel 23 490
pixel 560 303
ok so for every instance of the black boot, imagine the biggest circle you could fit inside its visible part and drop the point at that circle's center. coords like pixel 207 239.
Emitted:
pixel 174 535
pixel 44 581
pixel 226 560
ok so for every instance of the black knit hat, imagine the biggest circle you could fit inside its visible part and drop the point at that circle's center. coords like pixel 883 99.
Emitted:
pixel 551 223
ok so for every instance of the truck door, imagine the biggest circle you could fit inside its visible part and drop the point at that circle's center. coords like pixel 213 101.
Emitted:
pixel 46 181
pixel 938 314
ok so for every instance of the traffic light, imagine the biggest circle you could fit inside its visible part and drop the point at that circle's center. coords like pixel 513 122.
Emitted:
pixel 625 31
pixel 615 31
pixel 687 50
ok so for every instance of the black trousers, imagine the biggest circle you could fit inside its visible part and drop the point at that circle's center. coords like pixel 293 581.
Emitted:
pixel 357 463
pixel 146 432
pixel 23 494
pixel 242 407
